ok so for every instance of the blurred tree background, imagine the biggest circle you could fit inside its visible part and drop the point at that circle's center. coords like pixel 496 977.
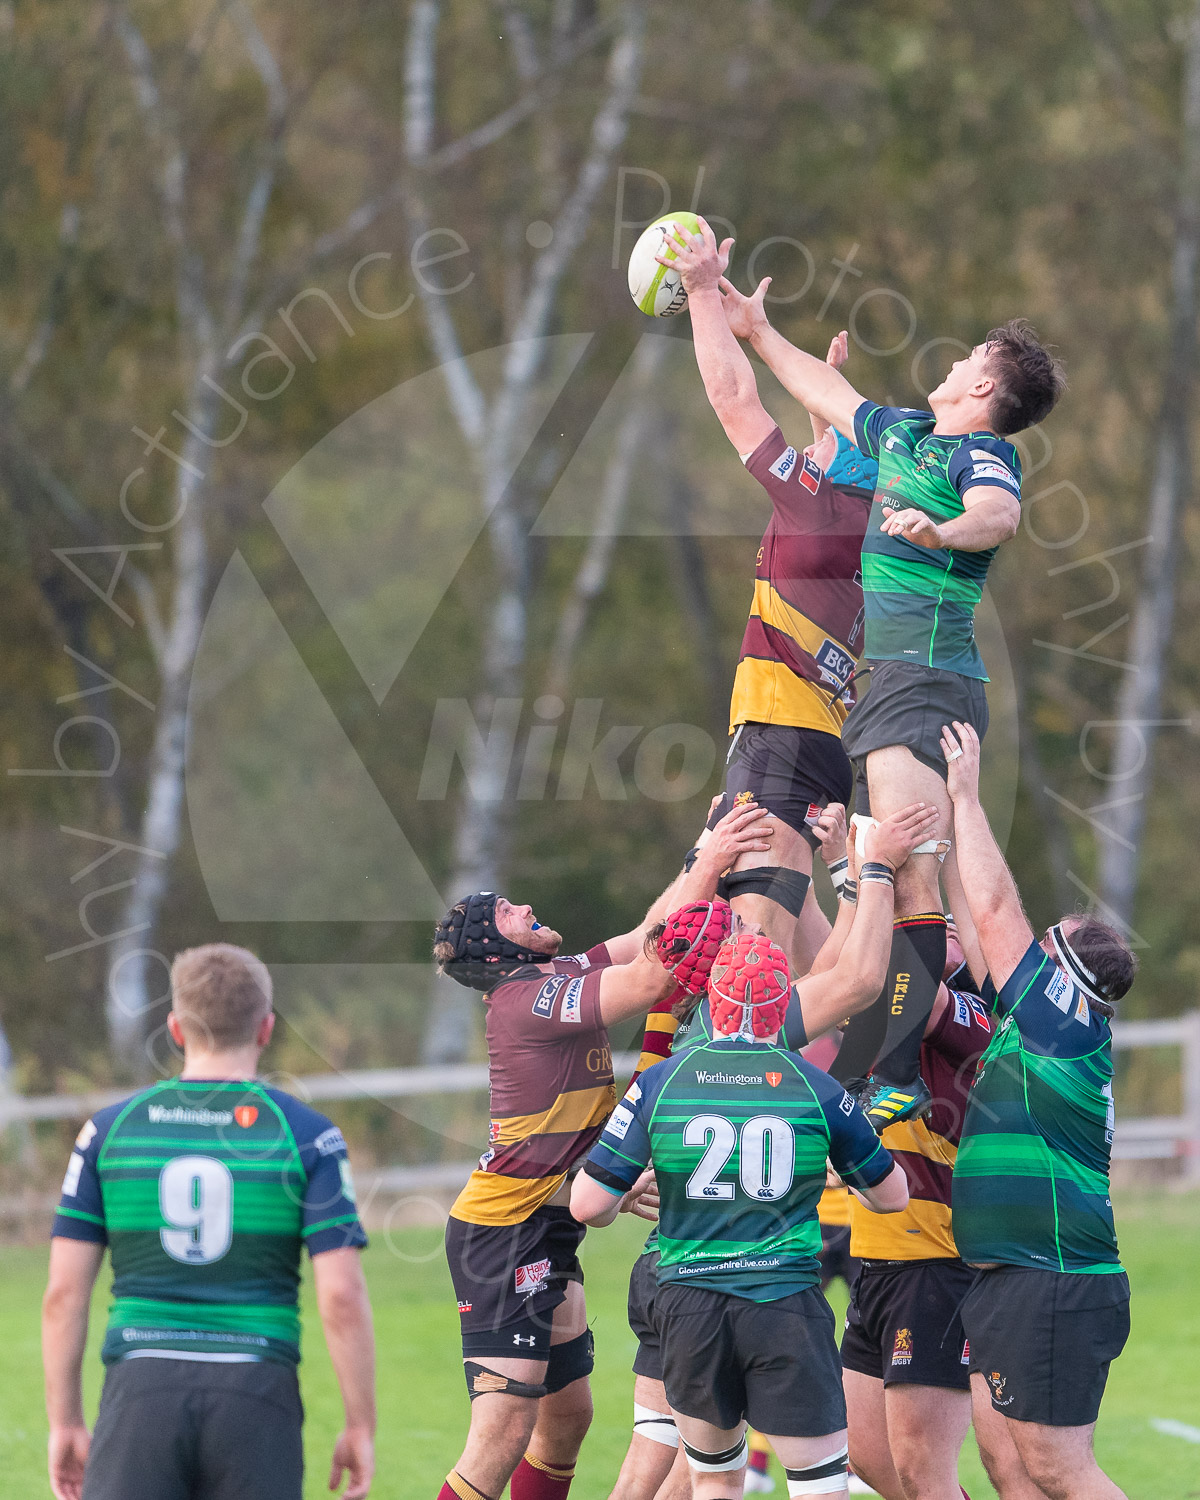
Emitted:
pixel 296 241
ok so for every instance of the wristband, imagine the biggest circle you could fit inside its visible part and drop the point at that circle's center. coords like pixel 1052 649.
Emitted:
pixel 875 871
pixel 839 873
pixel 849 892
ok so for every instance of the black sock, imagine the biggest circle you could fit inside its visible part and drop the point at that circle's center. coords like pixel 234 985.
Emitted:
pixel 861 1041
pixel 914 973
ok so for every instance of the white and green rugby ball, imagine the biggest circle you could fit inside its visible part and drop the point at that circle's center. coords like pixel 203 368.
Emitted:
pixel 656 289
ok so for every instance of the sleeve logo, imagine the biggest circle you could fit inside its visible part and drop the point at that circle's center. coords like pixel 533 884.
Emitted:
pixel 572 1002
pixel 347 1180
pixel 810 475
pixel 962 1010
pixel 71 1181
pixel 784 464
pixel 1061 992
pixel 544 1004
pixel 84 1139
pixel 847 1105
pixel 619 1122
pixel 329 1142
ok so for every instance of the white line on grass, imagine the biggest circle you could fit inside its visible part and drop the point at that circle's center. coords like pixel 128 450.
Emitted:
pixel 1176 1429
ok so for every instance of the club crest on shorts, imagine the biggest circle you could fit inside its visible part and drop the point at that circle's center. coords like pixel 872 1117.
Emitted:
pixel 774 1079
pixel 998 1383
pixel 902 1349
pixel 743 798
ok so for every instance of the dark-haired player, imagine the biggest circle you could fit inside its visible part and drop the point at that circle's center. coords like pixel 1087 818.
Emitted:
pixel 1050 1310
pixel 792 687
pixel 948 494
pixel 739 1131
pixel 510 1239
pixel 205 1189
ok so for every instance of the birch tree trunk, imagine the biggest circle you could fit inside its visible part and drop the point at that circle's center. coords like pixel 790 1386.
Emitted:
pixel 1139 699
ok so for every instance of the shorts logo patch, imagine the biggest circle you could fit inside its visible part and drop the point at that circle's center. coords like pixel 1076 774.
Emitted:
pixel 1061 992
pixel 902 1349
pixel 774 1079
pixel 465 1307
pixel 997 1383
pixel 784 464
pixel 810 475
pixel 743 799
pixel 813 816
pixel 836 665
pixel 531 1278
pixel 245 1115
pixel 572 1002
pixel 544 1004
pixel 966 1354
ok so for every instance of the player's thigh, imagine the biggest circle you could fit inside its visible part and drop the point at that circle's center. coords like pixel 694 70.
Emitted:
pixel 867 1433
pixel 1004 1465
pixel 143 1447
pixel 926 1428
pixel 1056 1458
pixel 896 778
pixel 570 1316
pixel 250 1443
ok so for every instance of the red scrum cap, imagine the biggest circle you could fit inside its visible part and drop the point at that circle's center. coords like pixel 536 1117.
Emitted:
pixel 749 987
pixel 691 939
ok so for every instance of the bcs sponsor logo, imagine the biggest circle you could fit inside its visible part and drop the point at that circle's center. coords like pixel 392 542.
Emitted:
pixel 531 1278
pixel 836 665
pixel 544 1004
pixel 245 1115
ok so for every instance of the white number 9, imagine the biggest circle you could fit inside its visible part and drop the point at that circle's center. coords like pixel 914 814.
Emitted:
pixel 195 1197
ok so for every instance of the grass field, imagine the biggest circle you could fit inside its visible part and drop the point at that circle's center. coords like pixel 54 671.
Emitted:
pixel 423 1404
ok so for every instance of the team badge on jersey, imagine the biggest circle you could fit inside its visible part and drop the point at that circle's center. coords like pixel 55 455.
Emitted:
pixel 774 1079
pixel 245 1115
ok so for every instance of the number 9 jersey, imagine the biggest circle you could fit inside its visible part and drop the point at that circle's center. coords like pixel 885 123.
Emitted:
pixel 739 1134
pixel 205 1193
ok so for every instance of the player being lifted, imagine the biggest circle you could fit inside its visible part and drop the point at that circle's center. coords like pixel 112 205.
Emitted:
pixel 947 495
pixel 205 1188
pixel 739 1131
pixel 510 1239
pixel 804 634
pixel 845 976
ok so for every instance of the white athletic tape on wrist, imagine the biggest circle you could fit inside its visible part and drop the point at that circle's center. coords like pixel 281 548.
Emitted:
pixel 827 1477
pixel 658 1426
pixel 717 1463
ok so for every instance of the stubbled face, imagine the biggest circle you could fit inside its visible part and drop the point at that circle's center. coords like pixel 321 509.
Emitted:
pixel 954 955
pixel 516 924
pixel 965 375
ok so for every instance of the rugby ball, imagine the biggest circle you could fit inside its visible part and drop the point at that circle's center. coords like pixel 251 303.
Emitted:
pixel 656 289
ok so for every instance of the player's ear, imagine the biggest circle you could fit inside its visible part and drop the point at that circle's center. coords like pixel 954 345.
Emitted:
pixel 265 1028
pixel 175 1029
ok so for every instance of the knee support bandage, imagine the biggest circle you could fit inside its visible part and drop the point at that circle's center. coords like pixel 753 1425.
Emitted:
pixel 776 882
pixel 484 1382
pixel 717 1463
pixel 658 1426
pixel 826 1478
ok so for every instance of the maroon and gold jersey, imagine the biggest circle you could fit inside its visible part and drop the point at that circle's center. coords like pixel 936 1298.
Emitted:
pixel 805 630
pixel 552 1088
pixel 927 1149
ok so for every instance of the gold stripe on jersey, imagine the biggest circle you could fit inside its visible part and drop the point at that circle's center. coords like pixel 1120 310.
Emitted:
pixel 773 609
pixel 492 1198
pixel 575 1110
pixel 662 1021
pixel 923 1230
pixel 767 692
pixel 834 1207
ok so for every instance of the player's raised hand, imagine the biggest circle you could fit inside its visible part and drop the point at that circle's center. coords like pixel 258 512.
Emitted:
pixel 960 746
pixel 894 838
pixel 839 350
pixel 697 257
pixel 830 832
pixel 67 1452
pixel 914 526
pixel 354 1456
pixel 744 314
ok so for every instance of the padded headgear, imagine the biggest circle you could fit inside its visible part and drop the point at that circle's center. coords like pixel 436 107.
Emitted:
pixel 483 956
pixel 749 987
pixel 690 940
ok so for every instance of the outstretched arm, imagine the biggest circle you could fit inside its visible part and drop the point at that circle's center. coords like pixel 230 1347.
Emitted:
pixel 727 374
pixel 814 383
pixel 992 896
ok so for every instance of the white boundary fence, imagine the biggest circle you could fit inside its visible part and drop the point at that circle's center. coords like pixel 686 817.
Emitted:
pixel 1151 1137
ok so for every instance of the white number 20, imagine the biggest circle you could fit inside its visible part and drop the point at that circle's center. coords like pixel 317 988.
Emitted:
pixel 767 1163
pixel 195 1197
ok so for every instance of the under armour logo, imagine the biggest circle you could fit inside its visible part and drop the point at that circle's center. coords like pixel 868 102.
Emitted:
pixel 531 1340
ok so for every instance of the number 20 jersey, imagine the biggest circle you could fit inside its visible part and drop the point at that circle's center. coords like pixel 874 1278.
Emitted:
pixel 739 1134
pixel 205 1193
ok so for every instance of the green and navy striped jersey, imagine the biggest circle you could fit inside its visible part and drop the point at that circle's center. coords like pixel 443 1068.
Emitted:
pixel 739 1134
pixel 920 602
pixel 1031 1181
pixel 204 1193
